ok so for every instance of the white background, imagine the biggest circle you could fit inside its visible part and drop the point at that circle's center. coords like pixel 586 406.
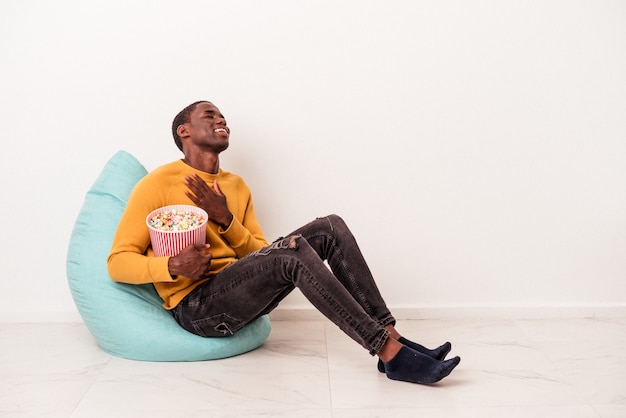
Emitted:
pixel 477 148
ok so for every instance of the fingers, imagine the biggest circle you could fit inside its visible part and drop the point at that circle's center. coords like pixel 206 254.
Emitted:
pixel 199 186
pixel 217 188
pixel 210 198
pixel 195 199
pixel 196 185
pixel 204 249
pixel 196 261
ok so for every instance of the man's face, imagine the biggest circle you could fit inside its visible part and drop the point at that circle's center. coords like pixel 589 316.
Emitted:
pixel 206 128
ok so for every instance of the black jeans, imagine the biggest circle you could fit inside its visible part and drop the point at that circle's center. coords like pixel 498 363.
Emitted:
pixel 254 285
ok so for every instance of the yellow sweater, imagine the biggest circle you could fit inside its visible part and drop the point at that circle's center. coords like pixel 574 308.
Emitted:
pixel 132 260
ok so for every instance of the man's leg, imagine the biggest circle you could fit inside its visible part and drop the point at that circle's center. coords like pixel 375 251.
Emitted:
pixel 333 241
pixel 254 286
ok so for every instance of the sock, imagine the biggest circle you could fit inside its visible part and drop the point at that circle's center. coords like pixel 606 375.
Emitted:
pixel 412 366
pixel 438 353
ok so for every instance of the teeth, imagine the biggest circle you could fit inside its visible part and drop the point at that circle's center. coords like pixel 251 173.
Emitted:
pixel 220 130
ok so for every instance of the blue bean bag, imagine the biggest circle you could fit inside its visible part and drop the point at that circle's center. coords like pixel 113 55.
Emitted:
pixel 126 320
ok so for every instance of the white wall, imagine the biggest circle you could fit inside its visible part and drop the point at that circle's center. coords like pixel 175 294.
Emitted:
pixel 477 148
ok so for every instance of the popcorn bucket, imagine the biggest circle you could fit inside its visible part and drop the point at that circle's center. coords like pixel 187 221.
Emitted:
pixel 174 227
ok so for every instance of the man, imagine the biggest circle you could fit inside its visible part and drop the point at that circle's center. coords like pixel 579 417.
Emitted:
pixel 215 289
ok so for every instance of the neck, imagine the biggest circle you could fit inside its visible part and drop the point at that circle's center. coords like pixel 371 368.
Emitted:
pixel 209 163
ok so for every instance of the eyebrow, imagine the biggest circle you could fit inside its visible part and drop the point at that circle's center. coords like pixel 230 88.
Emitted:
pixel 212 112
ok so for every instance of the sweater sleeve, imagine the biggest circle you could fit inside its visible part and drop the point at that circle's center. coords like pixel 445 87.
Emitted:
pixel 128 260
pixel 245 235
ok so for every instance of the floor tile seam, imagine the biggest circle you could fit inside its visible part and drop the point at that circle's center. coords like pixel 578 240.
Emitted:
pixel 582 364
pixel 537 346
pixel 94 380
pixel 596 410
pixel 581 394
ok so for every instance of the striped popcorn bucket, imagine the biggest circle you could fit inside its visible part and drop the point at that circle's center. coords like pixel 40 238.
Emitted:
pixel 167 241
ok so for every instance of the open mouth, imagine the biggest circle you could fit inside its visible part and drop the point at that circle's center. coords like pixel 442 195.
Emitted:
pixel 219 130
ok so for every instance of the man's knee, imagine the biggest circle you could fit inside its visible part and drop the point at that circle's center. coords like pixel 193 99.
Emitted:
pixel 334 222
pixel 282 243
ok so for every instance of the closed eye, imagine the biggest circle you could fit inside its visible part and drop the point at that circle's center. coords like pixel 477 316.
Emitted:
pixel 212 115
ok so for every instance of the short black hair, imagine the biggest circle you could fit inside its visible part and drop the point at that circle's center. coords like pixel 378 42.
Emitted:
pixel 183 117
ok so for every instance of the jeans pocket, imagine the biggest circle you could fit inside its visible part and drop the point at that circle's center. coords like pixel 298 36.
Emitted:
pixel 222 325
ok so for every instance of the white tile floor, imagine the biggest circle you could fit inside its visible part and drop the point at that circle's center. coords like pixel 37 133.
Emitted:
pixel 509 368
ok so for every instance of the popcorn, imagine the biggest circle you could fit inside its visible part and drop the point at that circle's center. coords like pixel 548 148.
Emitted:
pixel 172 228
pixel 176 220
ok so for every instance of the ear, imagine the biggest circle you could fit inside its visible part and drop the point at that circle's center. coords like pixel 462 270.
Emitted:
pixel 182 131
